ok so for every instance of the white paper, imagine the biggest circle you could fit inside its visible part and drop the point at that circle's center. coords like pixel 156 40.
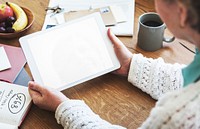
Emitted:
pixel 7 126
pixel 4 61
pixel 74 54
pixel 121 29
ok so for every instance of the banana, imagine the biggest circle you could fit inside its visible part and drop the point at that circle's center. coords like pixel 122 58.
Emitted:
pixel 21 17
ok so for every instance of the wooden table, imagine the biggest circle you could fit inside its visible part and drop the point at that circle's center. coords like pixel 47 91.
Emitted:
pixel 110 96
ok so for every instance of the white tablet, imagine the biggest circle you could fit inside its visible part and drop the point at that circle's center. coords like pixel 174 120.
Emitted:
pixel 69 54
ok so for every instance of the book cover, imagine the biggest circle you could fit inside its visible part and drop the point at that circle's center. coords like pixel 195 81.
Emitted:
pixel 23 78
pixel 17 61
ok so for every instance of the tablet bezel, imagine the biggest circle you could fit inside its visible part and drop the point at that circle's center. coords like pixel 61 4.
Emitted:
pixel 33 67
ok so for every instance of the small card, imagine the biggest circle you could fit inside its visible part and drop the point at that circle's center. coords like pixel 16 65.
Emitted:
pixel 4 62
pixel 118 13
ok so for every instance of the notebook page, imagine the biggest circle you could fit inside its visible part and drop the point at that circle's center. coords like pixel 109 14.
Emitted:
pixel 14 101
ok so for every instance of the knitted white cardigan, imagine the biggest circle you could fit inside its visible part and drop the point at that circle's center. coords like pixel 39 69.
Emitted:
pixel 179 109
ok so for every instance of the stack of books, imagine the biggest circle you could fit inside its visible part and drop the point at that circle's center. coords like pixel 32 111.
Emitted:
pixel 15 73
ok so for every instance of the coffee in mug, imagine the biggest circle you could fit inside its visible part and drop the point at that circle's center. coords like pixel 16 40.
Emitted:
pixel 152 23
pixel 151 32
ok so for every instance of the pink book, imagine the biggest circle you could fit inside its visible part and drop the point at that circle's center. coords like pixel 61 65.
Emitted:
pixel 17 61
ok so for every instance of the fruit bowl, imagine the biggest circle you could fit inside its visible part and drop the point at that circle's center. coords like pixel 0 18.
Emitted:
pixel 21 32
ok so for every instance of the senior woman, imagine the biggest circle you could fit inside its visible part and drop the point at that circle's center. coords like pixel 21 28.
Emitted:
pixel 179 108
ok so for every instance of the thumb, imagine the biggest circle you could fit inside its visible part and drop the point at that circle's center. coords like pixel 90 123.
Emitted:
pixel 35 87
pixel 34 94
pixel 35 91
pixel 116 42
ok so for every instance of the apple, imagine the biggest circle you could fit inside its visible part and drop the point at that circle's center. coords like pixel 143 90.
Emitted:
pixel 5 12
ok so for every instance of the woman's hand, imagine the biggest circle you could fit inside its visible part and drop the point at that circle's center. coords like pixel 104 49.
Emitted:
pixel 45 98
pixel 123 54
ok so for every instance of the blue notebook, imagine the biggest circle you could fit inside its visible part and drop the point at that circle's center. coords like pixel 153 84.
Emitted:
pixel 22 78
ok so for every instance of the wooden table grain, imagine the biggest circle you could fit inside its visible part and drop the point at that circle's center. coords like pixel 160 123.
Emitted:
pixel 111 96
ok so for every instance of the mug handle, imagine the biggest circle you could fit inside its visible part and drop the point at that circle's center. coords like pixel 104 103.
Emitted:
pixel 168 40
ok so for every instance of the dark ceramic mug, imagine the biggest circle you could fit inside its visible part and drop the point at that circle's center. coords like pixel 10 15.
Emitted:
pixel 151 32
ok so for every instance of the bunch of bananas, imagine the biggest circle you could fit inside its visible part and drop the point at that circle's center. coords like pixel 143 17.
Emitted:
pixel 21 17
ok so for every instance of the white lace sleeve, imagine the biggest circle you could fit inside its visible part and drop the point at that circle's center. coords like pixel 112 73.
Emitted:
pixel 176 110
pixel 154 76
pixel 75 114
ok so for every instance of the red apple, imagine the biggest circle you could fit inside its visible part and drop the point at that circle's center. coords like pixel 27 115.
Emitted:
pixel 5 12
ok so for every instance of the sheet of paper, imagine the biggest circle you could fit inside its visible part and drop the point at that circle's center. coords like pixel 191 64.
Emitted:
pixel 72 55
pixel 4 61
pixel 121 29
